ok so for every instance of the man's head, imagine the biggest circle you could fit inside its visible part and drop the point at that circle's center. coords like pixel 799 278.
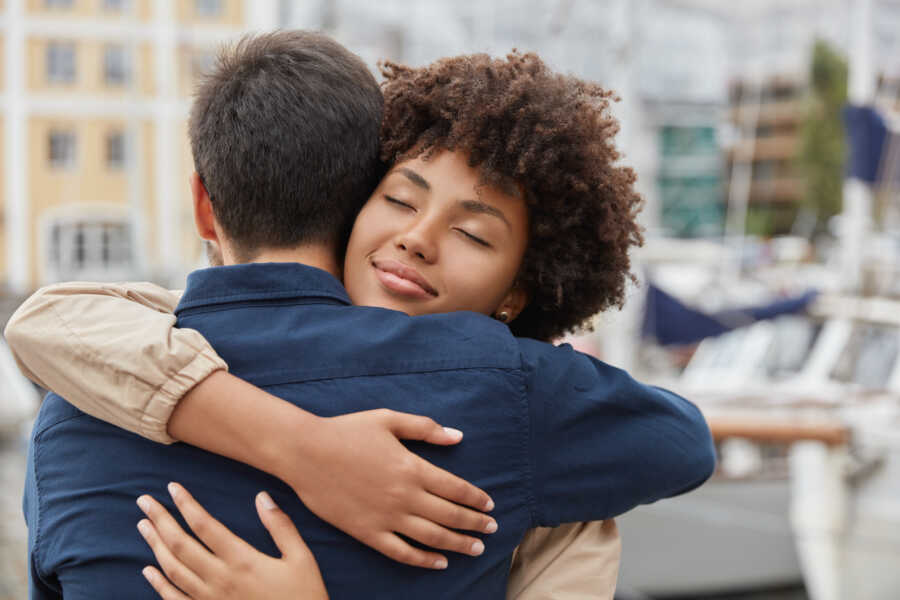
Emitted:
pixel 284 134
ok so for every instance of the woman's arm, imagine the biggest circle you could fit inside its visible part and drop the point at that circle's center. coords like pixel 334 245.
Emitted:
pixel 114 352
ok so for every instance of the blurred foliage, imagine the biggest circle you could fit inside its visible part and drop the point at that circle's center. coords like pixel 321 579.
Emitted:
pixel 822 147
pixel 766 220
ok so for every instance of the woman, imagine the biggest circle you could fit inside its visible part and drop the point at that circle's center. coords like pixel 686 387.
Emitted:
pixel 504 198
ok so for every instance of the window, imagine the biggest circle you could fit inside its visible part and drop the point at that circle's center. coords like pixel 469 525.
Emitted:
pixel 58 3
pixel 62 149
pixel 115 5
pixel 116 150
pixel 201 62
pixel 207 8
pixel 61 62
pixel 85 248
pixel 116 64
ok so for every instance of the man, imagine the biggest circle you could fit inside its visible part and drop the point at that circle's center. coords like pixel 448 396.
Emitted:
pixel 256 128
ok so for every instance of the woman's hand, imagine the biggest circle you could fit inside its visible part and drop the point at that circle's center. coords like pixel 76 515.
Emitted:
pixel 231 568
pixel 384 493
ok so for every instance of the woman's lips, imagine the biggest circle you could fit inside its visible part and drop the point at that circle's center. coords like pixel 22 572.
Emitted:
pixel 402 280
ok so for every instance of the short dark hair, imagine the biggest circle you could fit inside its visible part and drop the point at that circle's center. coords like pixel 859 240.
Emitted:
pixel 285 136
pixel 551 134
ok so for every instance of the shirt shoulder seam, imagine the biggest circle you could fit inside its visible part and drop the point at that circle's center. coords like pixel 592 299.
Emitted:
pixel 527 439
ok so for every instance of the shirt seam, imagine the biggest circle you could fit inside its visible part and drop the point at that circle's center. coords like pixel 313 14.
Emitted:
pixel 261 379
pixel 528 444
pixel 37 552
pixel 259 295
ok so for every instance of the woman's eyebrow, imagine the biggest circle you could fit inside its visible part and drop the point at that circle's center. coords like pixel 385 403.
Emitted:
pixel 415 178
pixel 474 206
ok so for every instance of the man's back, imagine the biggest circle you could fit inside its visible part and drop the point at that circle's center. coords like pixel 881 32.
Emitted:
pixel 544 457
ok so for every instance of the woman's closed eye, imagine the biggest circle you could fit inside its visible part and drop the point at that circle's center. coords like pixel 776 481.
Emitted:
pixel 474 238
pixel 399 203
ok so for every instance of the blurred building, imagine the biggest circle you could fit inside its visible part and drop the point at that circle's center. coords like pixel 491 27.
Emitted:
pixel 94 95
pixel 767 116
pixel 94 159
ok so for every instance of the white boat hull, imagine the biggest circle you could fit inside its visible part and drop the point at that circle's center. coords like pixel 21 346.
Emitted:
pixel 727 535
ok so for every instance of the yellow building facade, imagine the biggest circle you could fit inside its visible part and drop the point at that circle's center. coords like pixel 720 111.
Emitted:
pixel 95 159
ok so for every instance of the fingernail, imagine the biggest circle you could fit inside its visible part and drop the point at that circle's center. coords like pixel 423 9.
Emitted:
pixel 265 500
pixel 489 505
pixel 491 527
pixel 454 433
pixel 173 490
pixel 440 563
pixel 149 574
pixel 143 526
pixel 477 548
pixel 143 503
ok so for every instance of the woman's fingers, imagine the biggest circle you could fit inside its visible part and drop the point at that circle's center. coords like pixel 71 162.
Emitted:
pixel 445 484
pixel 176 541
pixel 175 570
pixel 435 536
pixel 280 527
pixel 392 546
pixel 211 532
pixel 166 590
pixel 434 508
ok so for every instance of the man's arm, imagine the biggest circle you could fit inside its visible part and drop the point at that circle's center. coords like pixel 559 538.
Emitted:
pixel 113 351
pixel 603 442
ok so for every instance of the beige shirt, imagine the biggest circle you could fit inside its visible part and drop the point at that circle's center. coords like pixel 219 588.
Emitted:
pixel 113 351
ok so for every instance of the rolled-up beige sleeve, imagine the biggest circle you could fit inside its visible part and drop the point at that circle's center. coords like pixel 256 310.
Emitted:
pixel 575 561
pixel 112 350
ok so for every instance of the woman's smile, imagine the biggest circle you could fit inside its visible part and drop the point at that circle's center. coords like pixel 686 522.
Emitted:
pixel 402 280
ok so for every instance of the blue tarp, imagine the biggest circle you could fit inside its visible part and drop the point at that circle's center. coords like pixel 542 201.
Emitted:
pixel 866 134
pixel 669 321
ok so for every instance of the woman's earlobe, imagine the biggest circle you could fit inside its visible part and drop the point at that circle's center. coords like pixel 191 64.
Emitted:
pixel 514 303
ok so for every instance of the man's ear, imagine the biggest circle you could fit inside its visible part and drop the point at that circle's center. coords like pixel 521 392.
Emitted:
pixel 514 303
pixel 204 218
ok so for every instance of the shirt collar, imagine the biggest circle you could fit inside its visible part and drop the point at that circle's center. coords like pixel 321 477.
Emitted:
pixel 260 281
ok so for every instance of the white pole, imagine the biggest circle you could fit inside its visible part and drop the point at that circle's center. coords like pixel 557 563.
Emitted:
pixel 621 330
pixel 135 168
pixel 819 516
pixel 18 230
pixel 742 179
pixel 856 216
pixel 168 231
pixel 262 15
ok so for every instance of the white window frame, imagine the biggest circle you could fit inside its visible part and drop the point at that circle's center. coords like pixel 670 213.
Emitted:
pixel 61 62
pixel 62 149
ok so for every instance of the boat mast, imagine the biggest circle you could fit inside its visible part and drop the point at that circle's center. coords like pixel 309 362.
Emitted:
pixel 856 217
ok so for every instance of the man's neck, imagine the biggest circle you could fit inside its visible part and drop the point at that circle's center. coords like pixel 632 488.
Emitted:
pixel 319 256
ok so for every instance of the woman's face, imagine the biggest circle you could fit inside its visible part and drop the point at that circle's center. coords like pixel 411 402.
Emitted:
pixel 433 239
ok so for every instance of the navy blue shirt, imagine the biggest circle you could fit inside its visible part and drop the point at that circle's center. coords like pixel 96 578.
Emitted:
pixel 552 435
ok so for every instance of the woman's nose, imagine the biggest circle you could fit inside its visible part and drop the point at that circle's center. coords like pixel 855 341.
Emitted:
pixel 417 242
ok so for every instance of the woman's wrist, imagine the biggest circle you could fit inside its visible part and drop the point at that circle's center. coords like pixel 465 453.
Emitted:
pixel 228 416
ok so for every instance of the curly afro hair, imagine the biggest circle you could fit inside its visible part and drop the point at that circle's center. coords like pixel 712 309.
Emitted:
pixel 550 134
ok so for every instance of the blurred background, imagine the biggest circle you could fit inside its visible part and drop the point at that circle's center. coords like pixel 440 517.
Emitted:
pixel 764 135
